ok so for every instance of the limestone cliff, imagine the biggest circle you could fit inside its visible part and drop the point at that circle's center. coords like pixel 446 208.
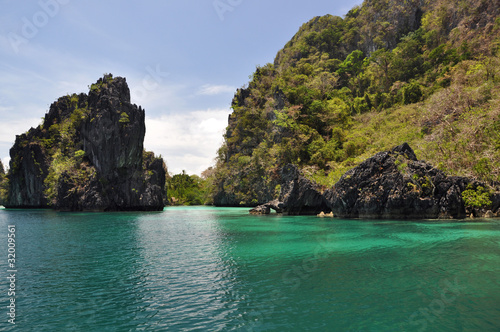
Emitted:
pixel 28 169
pixel 88 155
pixel 298 195
pixel 392 185
pixel 340 89
pixel 395 184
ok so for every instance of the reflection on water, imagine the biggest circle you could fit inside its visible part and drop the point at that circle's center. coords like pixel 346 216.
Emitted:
pixel 78 269
pixel 190 285
pixel 211 269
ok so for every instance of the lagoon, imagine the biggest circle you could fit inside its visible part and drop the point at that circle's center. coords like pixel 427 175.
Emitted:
pixel 221 269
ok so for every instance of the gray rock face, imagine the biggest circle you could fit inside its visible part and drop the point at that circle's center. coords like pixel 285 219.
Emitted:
pixel 275 205
pixel 390 185
pixel 225 199
pixel 28 169
pixel 113 132
pixel 394 184
pixel 112 172
pixel 298 196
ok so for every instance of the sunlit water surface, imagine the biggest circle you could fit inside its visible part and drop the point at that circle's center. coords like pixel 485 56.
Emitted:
pixel 210 269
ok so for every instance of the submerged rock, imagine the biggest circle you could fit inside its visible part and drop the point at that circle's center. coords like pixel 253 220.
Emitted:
pixel 88 155
pixel 261 209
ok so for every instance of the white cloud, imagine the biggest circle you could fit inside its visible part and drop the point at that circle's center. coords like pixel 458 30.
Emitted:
pixel 5 162
pixel 154 97
pixel 211 90
pixel 9 130
pixel 187 141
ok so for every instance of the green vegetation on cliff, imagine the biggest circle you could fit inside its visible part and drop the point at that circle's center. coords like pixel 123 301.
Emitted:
pixel 423 72
pixel 65 148
pixel 87 155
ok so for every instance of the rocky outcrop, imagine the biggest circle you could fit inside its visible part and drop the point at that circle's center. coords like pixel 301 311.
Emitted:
pixel 29 167
pixel 391 185
pixel 88 155
pixel 266 208
pixel 113 132
pixel 298 195
pixel 395 185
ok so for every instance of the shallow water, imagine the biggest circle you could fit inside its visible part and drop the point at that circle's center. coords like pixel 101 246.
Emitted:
pixel 211 269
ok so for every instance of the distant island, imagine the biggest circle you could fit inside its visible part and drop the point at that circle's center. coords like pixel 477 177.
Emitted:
pixel 87 155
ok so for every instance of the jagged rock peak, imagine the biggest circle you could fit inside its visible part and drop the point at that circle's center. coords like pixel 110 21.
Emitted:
pixel 406 151
pixel 114 87
pixel 395 185
pixel 88 155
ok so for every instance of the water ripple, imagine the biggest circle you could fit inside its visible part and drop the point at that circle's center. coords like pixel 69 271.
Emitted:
pixel 207 269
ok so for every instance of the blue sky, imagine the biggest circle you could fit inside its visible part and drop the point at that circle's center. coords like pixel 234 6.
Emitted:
pixel 183 61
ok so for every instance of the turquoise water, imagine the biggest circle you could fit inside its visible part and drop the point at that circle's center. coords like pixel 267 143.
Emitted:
pixel 209 269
